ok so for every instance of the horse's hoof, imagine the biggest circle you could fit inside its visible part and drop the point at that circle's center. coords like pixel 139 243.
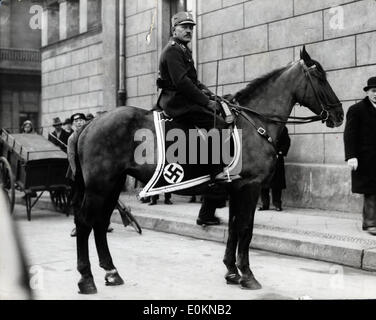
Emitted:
pixel 232 278
pixel 250 284
pixel 87 286
pixel 113 279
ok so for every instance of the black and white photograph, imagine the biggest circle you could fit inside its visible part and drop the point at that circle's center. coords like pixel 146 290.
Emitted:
pixel 205 151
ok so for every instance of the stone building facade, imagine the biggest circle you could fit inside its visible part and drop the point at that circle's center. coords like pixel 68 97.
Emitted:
pixel 72 59
pixel 116 63
pixel 20 67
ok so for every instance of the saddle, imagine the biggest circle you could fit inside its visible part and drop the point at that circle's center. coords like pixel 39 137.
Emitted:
pixel 188 157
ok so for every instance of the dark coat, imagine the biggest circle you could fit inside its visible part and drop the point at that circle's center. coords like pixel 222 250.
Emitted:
pixel 283 145
pixel 62 142
pixel 360 143
pixel 181 91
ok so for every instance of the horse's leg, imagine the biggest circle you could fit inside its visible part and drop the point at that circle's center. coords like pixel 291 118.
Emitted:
pixel 248 196
pixel 232 276
pixel 112 276
pixel 86 283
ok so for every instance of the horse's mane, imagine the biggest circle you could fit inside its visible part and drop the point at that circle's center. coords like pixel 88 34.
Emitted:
pixel 255 84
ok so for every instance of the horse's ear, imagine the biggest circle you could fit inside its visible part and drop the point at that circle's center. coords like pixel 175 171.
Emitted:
pixel 304 55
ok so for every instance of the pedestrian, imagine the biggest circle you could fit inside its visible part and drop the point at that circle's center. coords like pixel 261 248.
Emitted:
pixel 360 152
pixel 68 126
pixel 59 136
pixel 78 120
pixel 27 127
pixel 278 182
pixel 183 97
pixel 76 179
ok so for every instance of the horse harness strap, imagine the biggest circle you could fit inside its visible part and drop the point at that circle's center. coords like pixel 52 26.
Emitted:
pixel 260 130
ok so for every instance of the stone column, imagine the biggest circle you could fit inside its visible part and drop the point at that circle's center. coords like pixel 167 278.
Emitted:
pixel 83 16
pixel 69 18
pixel 53 23
pixel 95 12
pixel 73 18
pixel 44 27
pixel 5 25
pixel 63 12
pixel 110 53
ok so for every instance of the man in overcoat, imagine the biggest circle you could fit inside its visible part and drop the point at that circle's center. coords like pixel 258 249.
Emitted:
pixel 278 182
pixel 360 152
pixel 59 136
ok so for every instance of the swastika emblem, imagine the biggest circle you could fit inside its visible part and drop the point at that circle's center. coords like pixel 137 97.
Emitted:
pixel 173 173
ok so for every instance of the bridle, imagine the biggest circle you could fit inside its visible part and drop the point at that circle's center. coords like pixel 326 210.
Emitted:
pixel 239 110
pixel 325 106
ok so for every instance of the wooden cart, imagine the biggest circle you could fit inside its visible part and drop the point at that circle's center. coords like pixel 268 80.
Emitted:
pixel 32 164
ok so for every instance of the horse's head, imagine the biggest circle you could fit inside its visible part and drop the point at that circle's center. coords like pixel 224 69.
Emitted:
pixel 316 93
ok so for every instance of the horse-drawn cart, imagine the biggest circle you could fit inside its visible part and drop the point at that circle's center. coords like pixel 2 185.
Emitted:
pixel 32 164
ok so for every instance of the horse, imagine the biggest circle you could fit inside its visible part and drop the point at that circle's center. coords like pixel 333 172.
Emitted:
pixel 106 157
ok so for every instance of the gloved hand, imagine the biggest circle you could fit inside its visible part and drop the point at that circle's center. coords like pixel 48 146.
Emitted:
pixel 213 106
pixel 353 163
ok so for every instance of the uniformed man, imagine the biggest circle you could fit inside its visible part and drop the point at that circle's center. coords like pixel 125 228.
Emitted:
pixel 183 97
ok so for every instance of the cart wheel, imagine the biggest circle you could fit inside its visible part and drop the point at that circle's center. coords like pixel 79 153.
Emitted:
pixel 7 181
pixel 127 217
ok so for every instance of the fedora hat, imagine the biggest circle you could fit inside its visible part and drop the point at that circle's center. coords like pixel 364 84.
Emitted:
pixel 56 122
pixel 371 83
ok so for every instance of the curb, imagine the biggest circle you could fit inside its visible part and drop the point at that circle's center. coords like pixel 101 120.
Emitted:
pixel 304 246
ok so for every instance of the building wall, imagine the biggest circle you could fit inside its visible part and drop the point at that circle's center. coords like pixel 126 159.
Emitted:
pixel 72 77
pixel 141 55
pixel 248 38
pixel 259 36
pixel 20 39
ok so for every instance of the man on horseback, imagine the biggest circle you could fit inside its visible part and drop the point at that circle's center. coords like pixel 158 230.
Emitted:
pixel 183 97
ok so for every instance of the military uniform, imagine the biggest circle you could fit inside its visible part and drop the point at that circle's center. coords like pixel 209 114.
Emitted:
pixel 182 97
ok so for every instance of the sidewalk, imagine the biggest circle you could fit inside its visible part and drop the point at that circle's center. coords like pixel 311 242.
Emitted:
pixel 316 234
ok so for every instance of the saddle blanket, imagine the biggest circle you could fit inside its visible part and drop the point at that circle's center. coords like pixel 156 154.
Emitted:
pixel 172 175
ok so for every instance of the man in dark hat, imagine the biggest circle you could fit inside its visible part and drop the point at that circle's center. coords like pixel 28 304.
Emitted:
pixel 59 136
pixel 75 177
pixel 360 152
pixel 183 96
pixel 76 181
pixel 68 126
